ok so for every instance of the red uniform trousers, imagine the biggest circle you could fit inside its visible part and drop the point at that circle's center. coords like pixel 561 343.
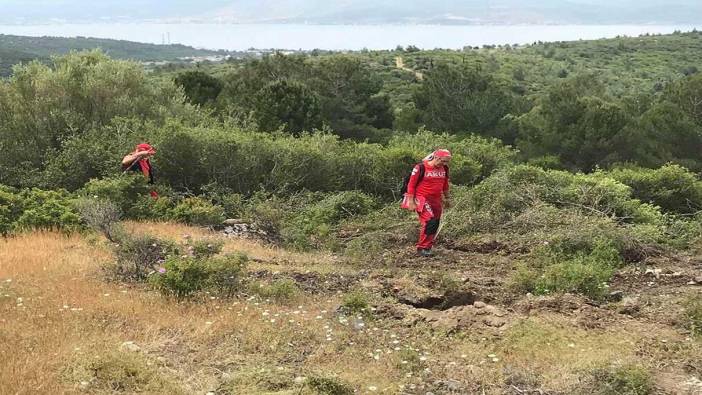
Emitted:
pixel 429 218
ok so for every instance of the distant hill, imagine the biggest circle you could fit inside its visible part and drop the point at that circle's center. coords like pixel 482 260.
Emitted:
pixel 18 49
pixel 359 11
pixel 462 12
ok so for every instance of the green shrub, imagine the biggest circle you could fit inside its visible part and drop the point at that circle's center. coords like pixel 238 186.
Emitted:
pixel 280 290
pixel 148 208
pixel 232 203
pixel 10 209
pixel 268 213
pixel 693 314
pixel 329 386
pixel 500 200
pixel 365 238
pixel 206 248
pixel 125 191
pixel 671 187
pixel 258 381
pixel 183 276
pixel 314 226
pixel 356 303
pixel 137 256
pixel 47 210
pixel 197 211
pixel 617 380
pixel 553 269
pixel 224 273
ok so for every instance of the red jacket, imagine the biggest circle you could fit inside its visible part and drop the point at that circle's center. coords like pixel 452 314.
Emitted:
pixel 433 185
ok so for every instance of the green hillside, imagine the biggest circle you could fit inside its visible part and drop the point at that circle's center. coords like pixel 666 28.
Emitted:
pixel 18 49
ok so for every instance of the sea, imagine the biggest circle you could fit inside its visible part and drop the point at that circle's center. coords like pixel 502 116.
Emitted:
pixel 241 37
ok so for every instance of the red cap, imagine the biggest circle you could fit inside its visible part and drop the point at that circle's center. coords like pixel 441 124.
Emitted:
pixel 144 147
pixel 442 153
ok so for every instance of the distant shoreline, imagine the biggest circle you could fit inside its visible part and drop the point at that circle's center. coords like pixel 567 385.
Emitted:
pixel 301 37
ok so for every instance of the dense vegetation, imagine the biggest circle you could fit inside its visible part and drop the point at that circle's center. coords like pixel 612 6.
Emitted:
pixel 583 154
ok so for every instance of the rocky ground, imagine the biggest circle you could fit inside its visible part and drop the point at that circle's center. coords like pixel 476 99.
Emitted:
pixel 445 325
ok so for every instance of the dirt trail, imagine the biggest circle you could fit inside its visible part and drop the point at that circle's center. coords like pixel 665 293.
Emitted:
pixel 400 64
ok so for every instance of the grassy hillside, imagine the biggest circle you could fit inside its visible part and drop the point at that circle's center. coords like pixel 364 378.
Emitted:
pixel 19 49
pixel 311 324
pixel 569 261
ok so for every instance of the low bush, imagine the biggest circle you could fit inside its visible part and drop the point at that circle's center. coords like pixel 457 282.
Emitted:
pixel 47 210
pixel 326 385
pixel 184 276
pixel 672 187
pixel 365 238
pixel 147 208
pixel 181 277
pixel 284 290
pixel 553 269
pixel 125 191
pixel 258 381
pixel 232 203
pixel 356 303
pixel 617 380
pixel 100 215
pixel 197 211
pixel 509 192
pixel 314 226
pixel 205 248
pixel 225 273
pixel 10 209
pixel 692 314
pixel 139 255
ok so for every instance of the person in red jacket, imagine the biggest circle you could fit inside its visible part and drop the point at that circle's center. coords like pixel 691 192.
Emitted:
pixel 138 161
pixel 428 196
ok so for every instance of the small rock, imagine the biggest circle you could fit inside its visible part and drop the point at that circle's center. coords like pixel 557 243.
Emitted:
pixel 654 272
pixel 479 305
pixel 300 380
pixel 630 306
pixel 84 385
pixel 616 296
pixel 698 280
pixel 450 385
pixel 130 346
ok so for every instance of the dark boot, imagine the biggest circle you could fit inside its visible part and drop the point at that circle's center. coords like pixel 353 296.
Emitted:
pixel 425 253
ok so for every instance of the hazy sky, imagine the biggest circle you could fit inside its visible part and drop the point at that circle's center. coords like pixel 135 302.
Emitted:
pixel 354 11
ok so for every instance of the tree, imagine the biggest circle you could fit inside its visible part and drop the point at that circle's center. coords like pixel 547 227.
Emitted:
pixel 200 88
pixel 462 99
pixel 575 121
pixel 287 104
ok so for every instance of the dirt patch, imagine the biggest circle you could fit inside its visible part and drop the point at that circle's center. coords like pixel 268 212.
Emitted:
pixel 429 291
pixel 475 317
